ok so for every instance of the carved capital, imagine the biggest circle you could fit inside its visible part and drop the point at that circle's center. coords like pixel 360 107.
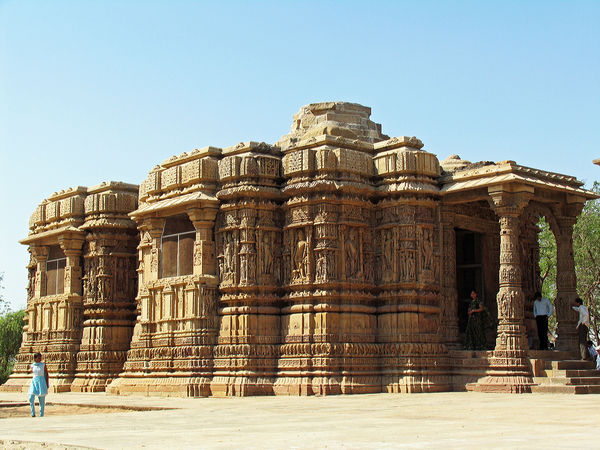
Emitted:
pixel 202 217
pixel 154 226
pixel 510 199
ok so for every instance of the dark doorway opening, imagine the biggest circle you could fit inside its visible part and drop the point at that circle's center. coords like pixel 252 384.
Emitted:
pixel 469 272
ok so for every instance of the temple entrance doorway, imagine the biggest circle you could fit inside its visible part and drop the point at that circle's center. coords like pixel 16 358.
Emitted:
pixel 469 272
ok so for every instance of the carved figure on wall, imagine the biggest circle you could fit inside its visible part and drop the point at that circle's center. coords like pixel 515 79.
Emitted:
pixel 243 269
pixel 301 256
pixel 248 268
pixel 427 250
pixel 267 255
pixel 154 260
pixel 322 267
pixel 229 255
pixel 388 262
pixel 410 265
pixel 368 267
pixel 351 254
pixel 278 264
pixel 31 284
pixel 120 277
pixel 403 264
pixel 101 295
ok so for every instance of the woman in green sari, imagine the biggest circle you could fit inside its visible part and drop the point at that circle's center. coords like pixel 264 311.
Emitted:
pixel 479 320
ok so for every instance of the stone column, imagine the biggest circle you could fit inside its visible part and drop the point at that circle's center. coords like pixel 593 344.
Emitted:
pixel 154 228
pixel 510 371
pixel 449 319
pixel 566 284
pixel 204 248
pixel 151 232
pixel 73 250
pixel 511 330
pixel 41 256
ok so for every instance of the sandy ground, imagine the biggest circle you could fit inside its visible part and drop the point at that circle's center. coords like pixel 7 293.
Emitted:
pixel 18 445
pixel 54 409
pixel 449 421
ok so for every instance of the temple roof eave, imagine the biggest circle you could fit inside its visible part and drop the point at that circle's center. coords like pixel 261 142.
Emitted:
pixel 168 206
pixel 462 182
pixel 52 235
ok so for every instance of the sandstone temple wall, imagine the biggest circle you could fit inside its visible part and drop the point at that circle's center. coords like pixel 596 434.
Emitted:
pixel 327 263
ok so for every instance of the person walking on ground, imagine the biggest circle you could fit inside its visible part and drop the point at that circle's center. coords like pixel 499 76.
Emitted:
pixel 39 384
pixel 542 309
pixel 583 327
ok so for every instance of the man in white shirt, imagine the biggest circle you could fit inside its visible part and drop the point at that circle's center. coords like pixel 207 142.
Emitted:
pixel 542 309
pixel 583 326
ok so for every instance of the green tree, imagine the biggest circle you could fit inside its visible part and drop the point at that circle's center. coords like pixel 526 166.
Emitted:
pixel 547 244
pixel 11 334
pixel 586 248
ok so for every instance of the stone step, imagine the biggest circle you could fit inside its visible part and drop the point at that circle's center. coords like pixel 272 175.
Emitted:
pixel 585 381
pixel 563 381
pixel 591 373
pixel 553 355
pixel 564 389
pixel 570 365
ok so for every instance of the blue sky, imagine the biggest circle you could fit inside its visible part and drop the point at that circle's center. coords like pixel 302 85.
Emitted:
pixel 93 91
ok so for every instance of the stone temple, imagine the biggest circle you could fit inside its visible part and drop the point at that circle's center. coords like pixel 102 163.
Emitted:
pixel 336 261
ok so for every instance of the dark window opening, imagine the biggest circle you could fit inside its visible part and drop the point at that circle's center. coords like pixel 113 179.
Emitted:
pixel 469 272
pixel 55 271
pixel 177 247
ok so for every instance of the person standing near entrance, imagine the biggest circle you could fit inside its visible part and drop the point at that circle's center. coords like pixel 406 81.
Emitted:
pixel 479 319
pixel 583 327
pixel 542 309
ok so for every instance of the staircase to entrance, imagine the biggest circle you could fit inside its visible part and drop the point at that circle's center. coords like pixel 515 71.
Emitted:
pixel 556 372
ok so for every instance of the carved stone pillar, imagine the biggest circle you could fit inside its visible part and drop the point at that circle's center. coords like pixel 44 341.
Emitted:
pixel 73 250
pixel 154 228
pixel 248 241
pixel 204 248
pixel 449 319
pixel 41 256
pixel 566 284
pixel 510 371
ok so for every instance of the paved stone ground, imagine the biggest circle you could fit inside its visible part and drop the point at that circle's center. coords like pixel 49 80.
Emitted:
pixel 455 420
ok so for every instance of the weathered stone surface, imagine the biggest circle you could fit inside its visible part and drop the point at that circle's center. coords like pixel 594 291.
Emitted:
pixel 336 261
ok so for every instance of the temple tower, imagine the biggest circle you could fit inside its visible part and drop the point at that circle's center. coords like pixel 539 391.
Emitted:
pixel 408 236
pixel 328 321
pixel 249 239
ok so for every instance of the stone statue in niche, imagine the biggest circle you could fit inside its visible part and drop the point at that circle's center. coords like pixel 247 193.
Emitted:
pixel 427 250
pixel 410 266
pixel 229 254
pixel 403 265
pixel 244 269
pixel 267 255
pixel 388 256
pixel 247 265
pixel 368 267
pixel 229 258
pixel 322 267
pixel 31 284
pixel 121 285
pixel 351 249
pixel 387 251
pixel 300 257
